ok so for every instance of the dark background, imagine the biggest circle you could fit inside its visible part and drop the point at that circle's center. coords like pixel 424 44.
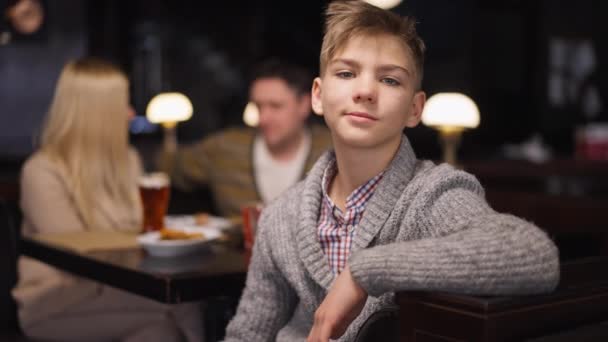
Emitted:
pixel 497 52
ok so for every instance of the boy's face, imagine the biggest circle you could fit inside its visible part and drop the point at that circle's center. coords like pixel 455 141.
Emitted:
pixel 368 92
pixel 283 112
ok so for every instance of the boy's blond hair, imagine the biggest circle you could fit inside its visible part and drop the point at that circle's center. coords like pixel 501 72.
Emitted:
pixel 347 18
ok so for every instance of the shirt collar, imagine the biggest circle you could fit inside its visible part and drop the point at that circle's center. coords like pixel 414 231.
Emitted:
pixel 357 199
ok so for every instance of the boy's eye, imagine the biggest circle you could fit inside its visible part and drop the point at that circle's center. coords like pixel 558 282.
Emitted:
pixel 345 74
pixel 390 81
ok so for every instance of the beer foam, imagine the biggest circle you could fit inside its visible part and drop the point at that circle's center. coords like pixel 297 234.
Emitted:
pixel 155 180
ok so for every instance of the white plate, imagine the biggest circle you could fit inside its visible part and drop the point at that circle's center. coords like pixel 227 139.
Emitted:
pixel 152 243
pixel 188 221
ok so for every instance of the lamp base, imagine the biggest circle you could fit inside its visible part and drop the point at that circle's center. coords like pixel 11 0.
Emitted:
pixel 169 136
pixel 450 140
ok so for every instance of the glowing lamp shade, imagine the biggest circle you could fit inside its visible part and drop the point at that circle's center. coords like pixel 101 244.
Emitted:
pixel 450 114
pixel 452 110
pixel 169 108
pixel 385 4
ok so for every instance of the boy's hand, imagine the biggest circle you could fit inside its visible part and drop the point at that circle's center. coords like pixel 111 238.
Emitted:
pixel 340 307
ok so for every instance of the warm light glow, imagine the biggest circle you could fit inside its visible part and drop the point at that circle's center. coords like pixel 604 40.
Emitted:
pixel 169 107
pixel 251 115
pixel 450 110
pixel 386 4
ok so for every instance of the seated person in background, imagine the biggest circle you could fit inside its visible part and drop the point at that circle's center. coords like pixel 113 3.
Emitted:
pixel 84 178
pixel 245 165
pixel 370 219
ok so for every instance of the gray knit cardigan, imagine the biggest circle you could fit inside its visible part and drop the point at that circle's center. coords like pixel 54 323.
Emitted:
pixel 427 227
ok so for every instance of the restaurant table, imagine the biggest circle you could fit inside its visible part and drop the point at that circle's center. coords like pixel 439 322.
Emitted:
pixel 218 270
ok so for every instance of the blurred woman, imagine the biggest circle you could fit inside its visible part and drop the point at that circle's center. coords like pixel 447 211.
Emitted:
pixel 84 178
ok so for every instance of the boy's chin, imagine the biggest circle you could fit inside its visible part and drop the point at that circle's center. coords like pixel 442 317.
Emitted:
pixel 362 140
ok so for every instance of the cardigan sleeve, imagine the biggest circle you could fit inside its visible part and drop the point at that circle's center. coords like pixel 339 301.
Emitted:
pixel 472 248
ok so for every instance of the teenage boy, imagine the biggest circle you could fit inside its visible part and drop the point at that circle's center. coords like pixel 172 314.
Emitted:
pixel 243 165
pixel 370 219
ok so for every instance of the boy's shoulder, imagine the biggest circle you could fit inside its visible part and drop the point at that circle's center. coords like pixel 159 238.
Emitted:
pixel 287 204
pixel 429 176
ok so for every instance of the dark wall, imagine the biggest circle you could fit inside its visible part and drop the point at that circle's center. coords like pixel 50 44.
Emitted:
pixel 502 54
pixel 498 52
pixel 29 67
pixel 574 64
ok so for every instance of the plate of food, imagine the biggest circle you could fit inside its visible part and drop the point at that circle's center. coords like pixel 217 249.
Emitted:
pixel 198 220
pixel 169 242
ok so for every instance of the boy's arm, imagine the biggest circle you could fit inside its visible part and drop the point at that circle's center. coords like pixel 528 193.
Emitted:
pixel 268 300
pixel 341 306
pixel 477 250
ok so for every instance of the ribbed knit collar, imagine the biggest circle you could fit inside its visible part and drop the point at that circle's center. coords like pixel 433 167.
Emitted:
pixel 397 176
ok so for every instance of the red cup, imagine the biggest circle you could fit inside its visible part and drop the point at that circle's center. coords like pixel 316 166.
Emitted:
pixel 592 142
pixel 251 214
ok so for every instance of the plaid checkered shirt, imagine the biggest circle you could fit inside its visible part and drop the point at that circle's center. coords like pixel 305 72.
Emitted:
pixel 336 229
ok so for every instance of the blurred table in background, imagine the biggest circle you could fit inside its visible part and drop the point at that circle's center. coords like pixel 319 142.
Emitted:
pixel 215 275
pixel 561 177
pixel 217 271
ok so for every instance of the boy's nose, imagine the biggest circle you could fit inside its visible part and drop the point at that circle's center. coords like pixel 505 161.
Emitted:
pixel 365 92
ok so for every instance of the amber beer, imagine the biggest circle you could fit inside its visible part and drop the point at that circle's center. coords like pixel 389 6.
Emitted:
pixel 154 190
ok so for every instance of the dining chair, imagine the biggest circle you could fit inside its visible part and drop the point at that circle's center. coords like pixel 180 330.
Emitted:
pixel 9 239
pixel 382 325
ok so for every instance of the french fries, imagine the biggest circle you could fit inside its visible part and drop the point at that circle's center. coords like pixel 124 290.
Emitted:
pixel 173 234
pixel 201 219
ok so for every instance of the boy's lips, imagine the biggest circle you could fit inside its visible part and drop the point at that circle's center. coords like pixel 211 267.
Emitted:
pixel 362 115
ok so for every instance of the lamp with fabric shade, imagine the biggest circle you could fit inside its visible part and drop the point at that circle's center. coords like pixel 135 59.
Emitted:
pixel 385 4
pixel 168 109
pixel 450 114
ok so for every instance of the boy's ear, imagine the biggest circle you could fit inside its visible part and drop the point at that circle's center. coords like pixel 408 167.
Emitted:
pixel 317 106
pixel 416 111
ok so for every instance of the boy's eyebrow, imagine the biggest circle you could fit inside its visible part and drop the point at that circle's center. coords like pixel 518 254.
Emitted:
pixel 391 67
pixel 350 62
pixel 385 67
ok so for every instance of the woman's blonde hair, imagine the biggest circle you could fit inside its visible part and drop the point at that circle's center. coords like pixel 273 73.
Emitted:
pixel 350 18
pixel 86 131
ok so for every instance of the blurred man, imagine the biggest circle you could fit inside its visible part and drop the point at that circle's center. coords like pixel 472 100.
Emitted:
pixel 245 165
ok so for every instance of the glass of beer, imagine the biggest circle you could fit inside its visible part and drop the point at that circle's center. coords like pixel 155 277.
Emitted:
pixel 154 191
